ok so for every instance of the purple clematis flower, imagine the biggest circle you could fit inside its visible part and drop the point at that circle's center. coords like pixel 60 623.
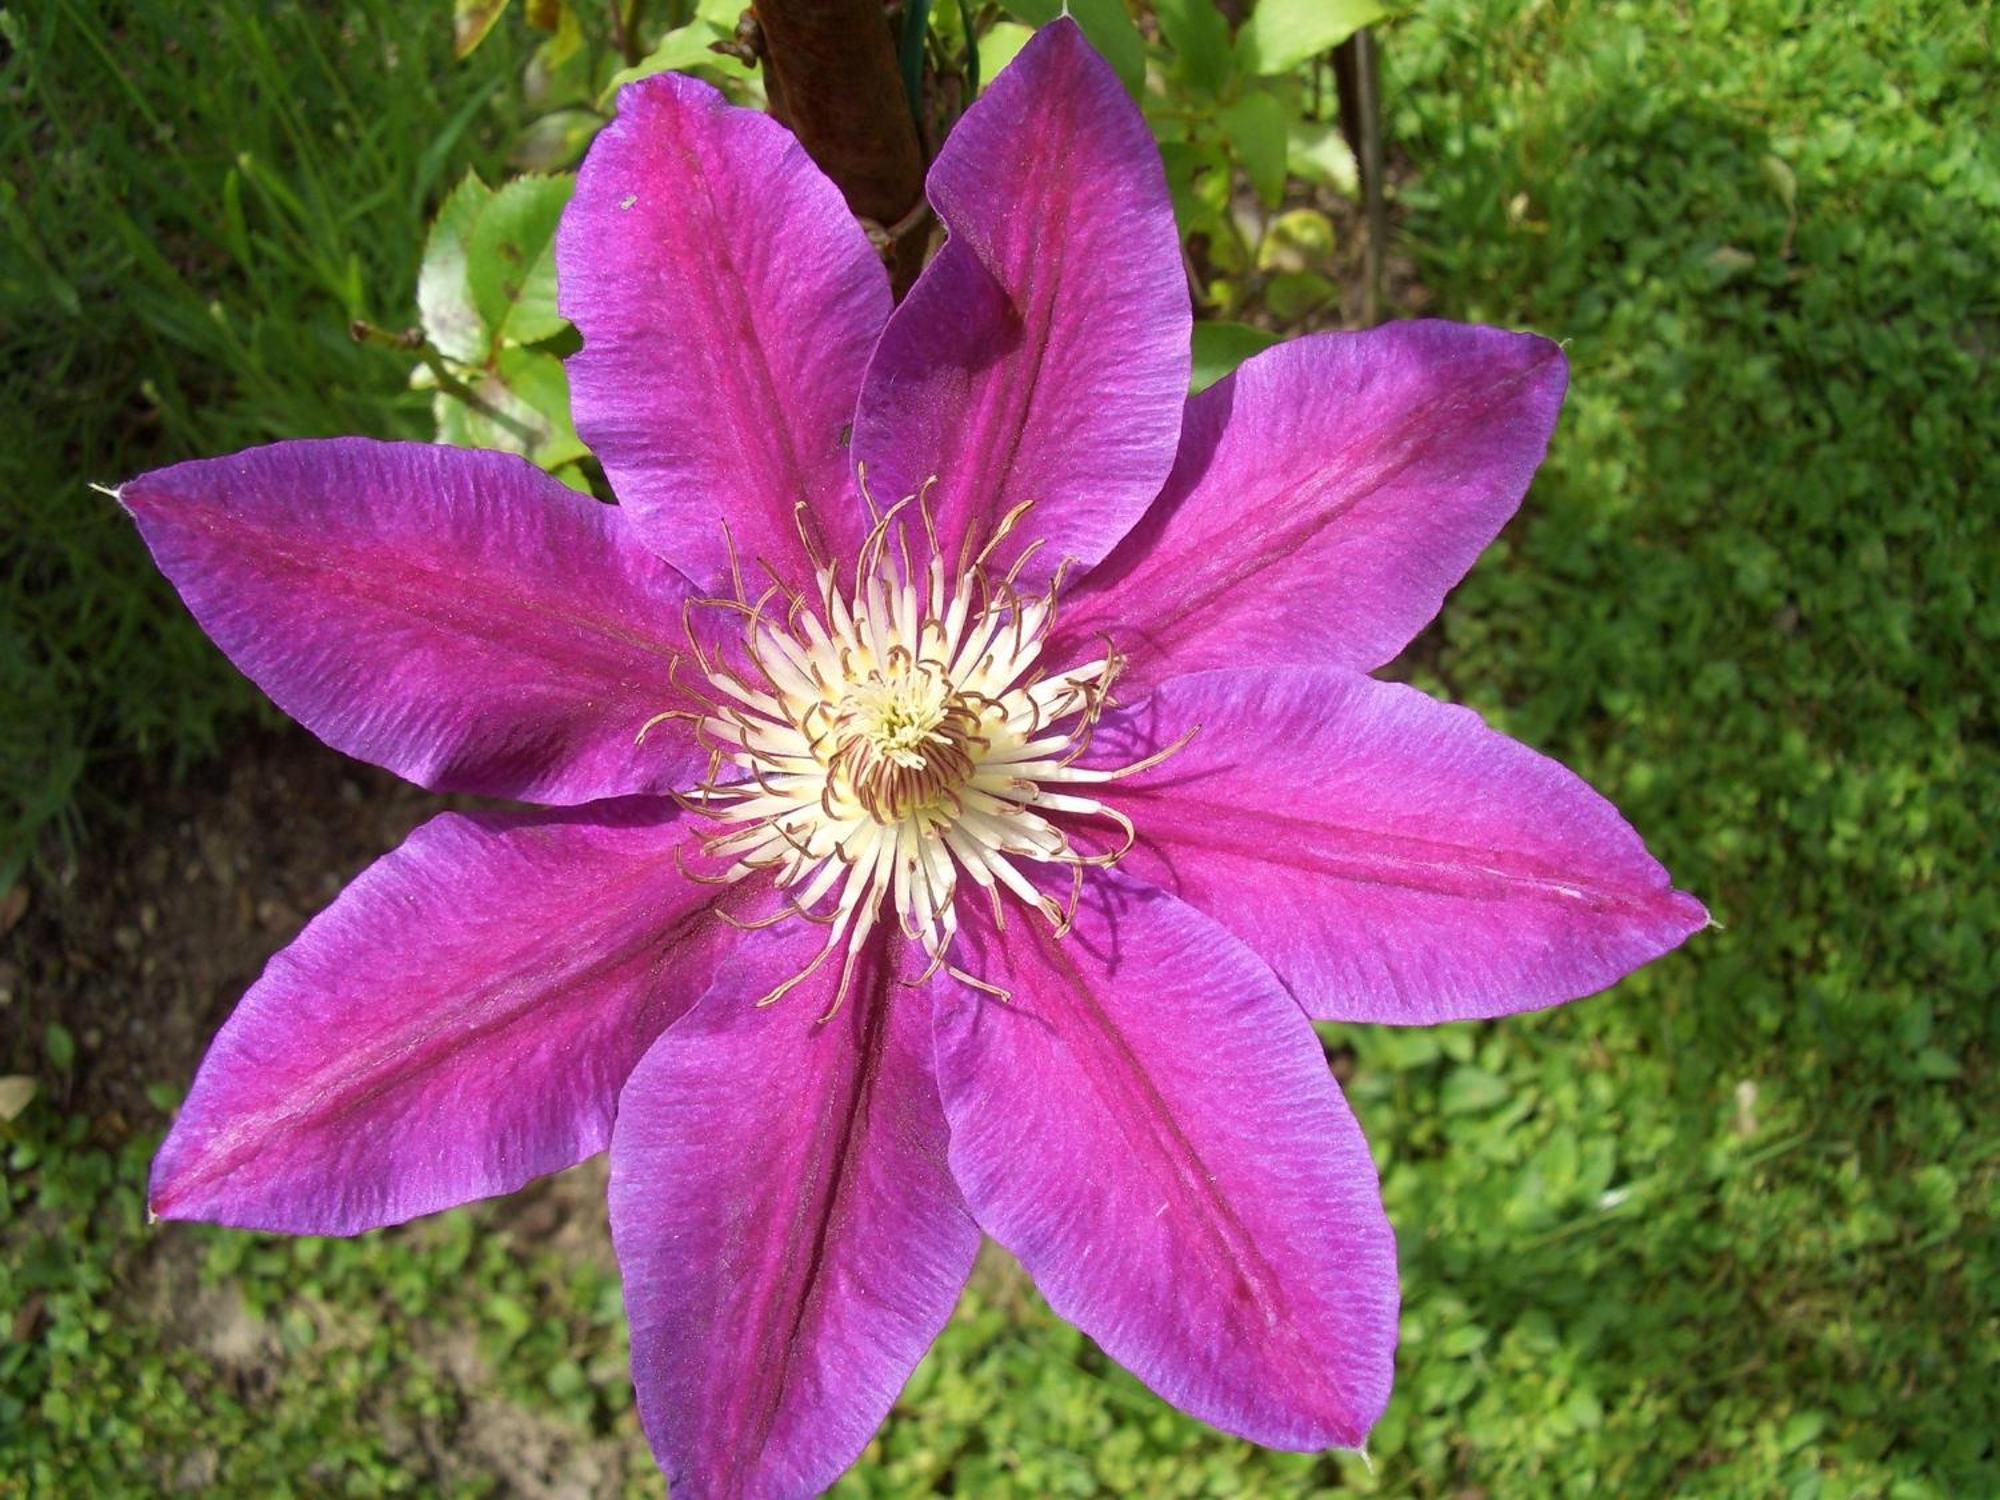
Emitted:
pixel 859 915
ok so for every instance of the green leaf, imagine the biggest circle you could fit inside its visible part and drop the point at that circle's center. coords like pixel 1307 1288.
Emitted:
pixel 510 261
pixel 525 400
pixel 1470 1090
pixel 1199 37
pixel 1778 173
pixel 1198 183
pixel 1001 45
pixel 1220 347
pixel 1935 1062
pixel 507 1314
pixel 1255 126
pixel 445 305
pixel 1106 23
pixel 165 1097
pixel 1281 34
pixel 470 21
pixel 1299 239
pixel 1457 1343
pixel 556 140
pixel 1320 154
pixel 60 1046
pixel 1298 294
pixel 688 47
pixel 1801 1428
pixel 560 72
pixel 17 1092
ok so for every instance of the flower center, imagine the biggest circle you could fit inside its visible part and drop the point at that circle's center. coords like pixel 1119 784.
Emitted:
pixel 877 747
pixel 905 741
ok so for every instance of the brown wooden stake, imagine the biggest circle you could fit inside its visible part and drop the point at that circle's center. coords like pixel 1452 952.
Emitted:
pixel 832 78
pixel 1357 73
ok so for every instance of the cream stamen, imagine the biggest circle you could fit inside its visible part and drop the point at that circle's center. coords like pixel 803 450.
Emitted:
pixel 895 739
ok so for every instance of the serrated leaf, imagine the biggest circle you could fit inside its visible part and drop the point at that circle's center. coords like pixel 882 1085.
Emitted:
pixel 1220 347
pixel 445 305
pixel 1105 23
pixel 1281 34
pixel 1199 36
pixel 471 20
pixel 1255 127
pixel 510 260
pixel 1320 154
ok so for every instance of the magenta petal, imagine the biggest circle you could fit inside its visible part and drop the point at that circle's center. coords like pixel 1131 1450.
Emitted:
pixel 457 617
pixel 790 1238
pixel 456 1024
pixel 727 301
pixel 1044 354
pixel 1326 498
pixel 1150 1126
pixel 1391 857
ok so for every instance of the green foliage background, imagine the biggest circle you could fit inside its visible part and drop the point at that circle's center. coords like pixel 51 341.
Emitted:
pixel 1726 1231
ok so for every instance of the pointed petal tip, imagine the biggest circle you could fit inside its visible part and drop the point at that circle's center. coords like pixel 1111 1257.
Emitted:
pixel 762 1366
pixel 1692 915
pixel 1169 1160
pixel 474 625
pixel 168 1199
pixel 1389 458
pixel 1553 355
pixel 457 1023
pixel 1442 871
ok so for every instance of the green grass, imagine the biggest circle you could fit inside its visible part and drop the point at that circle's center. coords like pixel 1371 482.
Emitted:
pixel 1727 1231
pixel 197 201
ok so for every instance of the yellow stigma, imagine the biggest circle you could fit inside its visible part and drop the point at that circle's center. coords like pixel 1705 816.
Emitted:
pixel 875 747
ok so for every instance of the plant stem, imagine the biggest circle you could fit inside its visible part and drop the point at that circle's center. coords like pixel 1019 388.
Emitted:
pixel 412 341
pixel 833 78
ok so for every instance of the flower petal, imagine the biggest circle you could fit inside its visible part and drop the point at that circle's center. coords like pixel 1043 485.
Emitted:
pixel 789 1236
pixel 457 617
pixel 727 301
pixel 1326 498
pixel 1044 354
pixel 457 1023
pixel 1150 1126
pixel 1391 857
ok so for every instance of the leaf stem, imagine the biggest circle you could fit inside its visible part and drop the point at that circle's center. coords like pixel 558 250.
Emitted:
pixel 412 341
